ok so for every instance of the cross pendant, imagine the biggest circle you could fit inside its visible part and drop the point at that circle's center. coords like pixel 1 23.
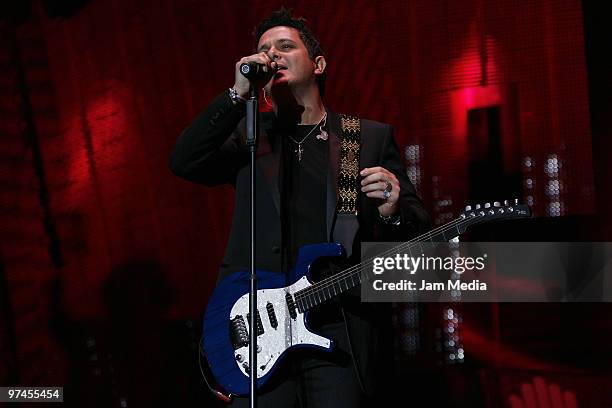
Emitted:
pixel 299 152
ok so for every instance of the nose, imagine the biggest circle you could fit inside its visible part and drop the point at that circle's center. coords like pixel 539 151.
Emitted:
pixel 272 54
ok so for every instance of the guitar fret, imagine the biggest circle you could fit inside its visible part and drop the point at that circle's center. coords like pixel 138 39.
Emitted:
pixel 354 276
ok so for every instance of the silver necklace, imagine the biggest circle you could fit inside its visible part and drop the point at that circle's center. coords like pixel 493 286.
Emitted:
pixel 323 135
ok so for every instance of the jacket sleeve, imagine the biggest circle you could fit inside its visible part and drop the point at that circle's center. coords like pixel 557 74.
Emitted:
pixel 414 217
pixel 209 151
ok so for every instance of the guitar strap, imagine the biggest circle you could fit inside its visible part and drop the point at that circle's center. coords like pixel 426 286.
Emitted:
pixel 346 224
pixel 348 177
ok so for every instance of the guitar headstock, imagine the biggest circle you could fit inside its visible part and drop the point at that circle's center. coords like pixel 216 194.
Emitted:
pixel 488 212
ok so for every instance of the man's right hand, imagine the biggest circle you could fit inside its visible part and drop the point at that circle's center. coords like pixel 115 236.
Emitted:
pixel 242 85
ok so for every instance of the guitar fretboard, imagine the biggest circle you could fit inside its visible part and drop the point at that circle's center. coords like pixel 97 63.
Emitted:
pixel 349 278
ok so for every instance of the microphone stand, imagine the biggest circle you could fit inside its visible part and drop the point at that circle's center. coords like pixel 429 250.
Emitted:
pixel 252 133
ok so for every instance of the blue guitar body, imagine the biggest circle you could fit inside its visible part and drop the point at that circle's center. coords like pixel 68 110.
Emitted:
pixel 283 303
pixel 281 324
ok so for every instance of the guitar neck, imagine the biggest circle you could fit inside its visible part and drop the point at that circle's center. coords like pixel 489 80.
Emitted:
pixel 349 278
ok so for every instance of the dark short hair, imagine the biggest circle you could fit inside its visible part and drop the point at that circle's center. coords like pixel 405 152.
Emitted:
pixel 284 17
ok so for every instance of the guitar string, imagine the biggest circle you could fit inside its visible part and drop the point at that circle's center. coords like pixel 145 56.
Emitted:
pixel 318 287
pixel 324 284
pixel 419 239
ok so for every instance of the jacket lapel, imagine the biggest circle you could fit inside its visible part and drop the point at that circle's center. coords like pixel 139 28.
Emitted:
pixel 269 157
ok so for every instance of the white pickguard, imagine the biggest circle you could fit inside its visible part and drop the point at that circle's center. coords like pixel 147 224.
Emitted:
pixel 274 341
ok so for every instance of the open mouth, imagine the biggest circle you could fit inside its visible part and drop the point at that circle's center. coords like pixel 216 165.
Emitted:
pixel 279 70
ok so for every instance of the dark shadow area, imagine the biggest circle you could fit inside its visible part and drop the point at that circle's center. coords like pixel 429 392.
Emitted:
pixel 134 357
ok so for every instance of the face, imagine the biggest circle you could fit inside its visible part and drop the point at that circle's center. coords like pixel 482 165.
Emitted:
pixel 296 69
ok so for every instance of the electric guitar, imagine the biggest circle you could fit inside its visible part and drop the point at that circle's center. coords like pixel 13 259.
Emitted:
pixel 282 311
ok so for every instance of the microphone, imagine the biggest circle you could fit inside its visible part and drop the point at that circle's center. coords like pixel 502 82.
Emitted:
pixel 252 70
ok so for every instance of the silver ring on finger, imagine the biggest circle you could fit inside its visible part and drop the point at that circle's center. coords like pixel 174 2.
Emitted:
pixel 387 191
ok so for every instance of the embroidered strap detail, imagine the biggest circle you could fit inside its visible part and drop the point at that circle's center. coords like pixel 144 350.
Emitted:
pixel 348 179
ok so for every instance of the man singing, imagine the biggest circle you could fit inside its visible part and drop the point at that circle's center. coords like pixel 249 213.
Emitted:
pixel 321 177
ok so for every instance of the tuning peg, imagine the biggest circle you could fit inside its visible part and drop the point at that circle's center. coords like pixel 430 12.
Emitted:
pixel 477 207
pixel 516 201
pixel 487 205
pixel 496 204
pixel 506 202
pixel 468 208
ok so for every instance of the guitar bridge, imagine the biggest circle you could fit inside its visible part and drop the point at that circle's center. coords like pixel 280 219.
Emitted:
pixel 238 332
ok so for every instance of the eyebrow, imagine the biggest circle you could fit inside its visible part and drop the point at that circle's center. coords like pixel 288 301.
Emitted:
pixel 278 41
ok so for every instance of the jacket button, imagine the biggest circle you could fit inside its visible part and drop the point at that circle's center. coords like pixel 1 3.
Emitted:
pixel 276 249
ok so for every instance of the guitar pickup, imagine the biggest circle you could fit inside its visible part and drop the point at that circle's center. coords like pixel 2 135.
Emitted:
pixel 272 315
pixel 291 305
pixel 260 329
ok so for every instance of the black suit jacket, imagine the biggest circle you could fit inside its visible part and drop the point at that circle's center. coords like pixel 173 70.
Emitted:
pixel 211 152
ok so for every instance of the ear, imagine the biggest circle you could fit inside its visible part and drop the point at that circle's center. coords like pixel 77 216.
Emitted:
pixel 320 65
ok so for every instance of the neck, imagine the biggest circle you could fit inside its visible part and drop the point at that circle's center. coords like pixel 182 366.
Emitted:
pixel 305 108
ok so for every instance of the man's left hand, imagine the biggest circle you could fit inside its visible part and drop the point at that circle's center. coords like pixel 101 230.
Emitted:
pixel 377 180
